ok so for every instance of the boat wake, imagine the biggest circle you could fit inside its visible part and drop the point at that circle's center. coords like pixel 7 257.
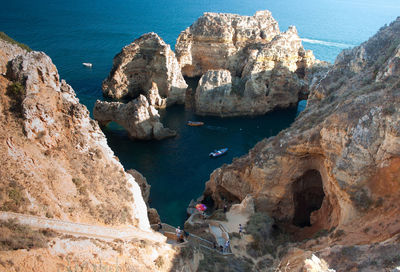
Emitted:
pixel 333 44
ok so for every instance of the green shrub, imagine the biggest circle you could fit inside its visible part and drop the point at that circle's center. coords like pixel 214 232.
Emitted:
pixel 16 198
pixel 22 237
pixel 259 226
pixel 5 37
pixel 16 195
pixel 16 91
pixel 387 53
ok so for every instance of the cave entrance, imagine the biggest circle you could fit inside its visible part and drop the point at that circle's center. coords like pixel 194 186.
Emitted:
pixel 308 194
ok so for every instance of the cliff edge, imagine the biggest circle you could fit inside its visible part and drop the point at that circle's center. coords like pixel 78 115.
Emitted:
pixel 66 201
pixel 332 177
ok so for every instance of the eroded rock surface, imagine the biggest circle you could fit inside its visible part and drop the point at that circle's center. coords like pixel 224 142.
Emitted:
pixel 269 69
pixel 216 38
pixel 8 52
pixel 146 60
pixel 58 151
pixel 336 168
pixel 140 119
pixel 56 164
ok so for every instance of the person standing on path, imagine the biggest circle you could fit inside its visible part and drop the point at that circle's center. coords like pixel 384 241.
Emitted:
pixel 240 230
pixel 178 233
pixel 226 246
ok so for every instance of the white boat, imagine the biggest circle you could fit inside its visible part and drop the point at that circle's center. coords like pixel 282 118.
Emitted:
pixel 87 64
pixel 218 153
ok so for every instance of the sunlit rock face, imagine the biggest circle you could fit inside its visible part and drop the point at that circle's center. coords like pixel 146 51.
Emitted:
pixel 138 117
pixel 269 69
pixel 145 61
pixel 214 40
pixel 337 167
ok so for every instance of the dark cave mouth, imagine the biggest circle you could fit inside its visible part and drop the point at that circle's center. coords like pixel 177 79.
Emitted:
pixel 308 195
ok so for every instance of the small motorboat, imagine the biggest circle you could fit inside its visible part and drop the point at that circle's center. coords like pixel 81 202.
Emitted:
pixel 217 153
pixel 194 123
pixel 87 64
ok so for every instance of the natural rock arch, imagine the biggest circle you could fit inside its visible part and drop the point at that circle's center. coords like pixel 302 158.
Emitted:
pixel 308 195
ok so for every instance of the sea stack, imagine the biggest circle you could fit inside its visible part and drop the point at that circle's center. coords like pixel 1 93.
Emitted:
pixel 268 68
pixel 146 61
pixel 138 117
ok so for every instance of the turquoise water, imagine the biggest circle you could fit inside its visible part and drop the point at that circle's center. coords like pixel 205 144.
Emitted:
pixel 76 31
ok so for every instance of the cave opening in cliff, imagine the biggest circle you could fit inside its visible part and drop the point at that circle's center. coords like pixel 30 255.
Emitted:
pixel 227 197
pixel 308 194
pixel 192 82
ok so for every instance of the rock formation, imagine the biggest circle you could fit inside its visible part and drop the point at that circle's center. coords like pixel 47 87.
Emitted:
pixel 154 217
pixel 140 119
pixel 61 143
pixel 334 173
pixel 9 52
pixel 216 38
pixel 56 166
pixel 268 68
pixel 148 59
pixel 154 98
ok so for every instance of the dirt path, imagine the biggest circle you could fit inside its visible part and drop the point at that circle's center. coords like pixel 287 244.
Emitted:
pixel 79 229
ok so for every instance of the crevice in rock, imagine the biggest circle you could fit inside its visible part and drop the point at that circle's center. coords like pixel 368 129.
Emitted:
pixel 192 82
pixel 308 194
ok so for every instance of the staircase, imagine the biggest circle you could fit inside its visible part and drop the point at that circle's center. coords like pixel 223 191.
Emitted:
pixel 192 238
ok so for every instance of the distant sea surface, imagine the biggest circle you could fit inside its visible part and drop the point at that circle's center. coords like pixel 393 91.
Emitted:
pixel 76 31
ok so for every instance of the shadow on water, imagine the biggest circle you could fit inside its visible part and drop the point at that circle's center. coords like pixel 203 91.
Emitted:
pixel 177 168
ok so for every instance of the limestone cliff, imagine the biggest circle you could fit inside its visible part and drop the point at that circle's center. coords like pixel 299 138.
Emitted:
pixel 335 172
pixel 58 153
pixel 216 38
pixel 58 172
pixel 269 69
pixel 11 50
pixel 148 59
pixel 140 119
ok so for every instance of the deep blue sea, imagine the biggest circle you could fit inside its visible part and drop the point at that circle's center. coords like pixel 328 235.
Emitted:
pixel 76 31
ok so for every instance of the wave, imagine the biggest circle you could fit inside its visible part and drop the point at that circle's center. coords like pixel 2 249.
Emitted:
pixel 340 45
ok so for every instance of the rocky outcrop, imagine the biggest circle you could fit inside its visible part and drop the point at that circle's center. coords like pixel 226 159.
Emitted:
pixel 214 93
pixel 142 182
pixel 57 166
pixel 216 38
pixel 154 98
pixel 336 168
pixel 140 119
pixel 269 69
pixel 152 214
pixel 146 60
pixel 8 52
pixel 55 155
